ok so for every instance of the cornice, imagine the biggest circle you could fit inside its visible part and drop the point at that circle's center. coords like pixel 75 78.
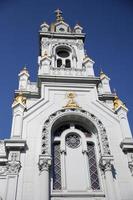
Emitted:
pixel 62 79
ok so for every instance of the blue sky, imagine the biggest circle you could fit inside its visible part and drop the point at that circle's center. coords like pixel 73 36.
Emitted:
pixel 108 25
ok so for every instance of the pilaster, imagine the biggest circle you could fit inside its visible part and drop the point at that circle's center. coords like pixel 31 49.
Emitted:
pixel 44 165
pixel 18 106
pixel 106 163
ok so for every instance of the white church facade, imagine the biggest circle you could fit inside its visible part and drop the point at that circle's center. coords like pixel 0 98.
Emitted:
pixel 70 137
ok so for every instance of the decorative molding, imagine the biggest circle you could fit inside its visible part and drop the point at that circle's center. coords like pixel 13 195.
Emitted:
pixel 102 135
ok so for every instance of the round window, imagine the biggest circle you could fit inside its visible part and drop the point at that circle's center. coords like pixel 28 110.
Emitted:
pixel 63 53
pixel 73 140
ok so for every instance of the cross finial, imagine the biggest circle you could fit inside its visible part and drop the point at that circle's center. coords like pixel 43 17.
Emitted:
pixel 58 13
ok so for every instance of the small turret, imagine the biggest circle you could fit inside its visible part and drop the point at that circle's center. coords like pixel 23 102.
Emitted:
pixel 78 29
pixel 105 83
pixel 44 27
pixel 23 79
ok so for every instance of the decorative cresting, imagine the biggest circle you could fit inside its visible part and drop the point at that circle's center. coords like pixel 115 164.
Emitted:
pixel 102 136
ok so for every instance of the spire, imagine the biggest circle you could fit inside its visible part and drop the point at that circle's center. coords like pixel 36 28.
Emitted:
pixel 59 17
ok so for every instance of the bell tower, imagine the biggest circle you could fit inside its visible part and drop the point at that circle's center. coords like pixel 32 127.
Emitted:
pixel 70 136
pixel 60 50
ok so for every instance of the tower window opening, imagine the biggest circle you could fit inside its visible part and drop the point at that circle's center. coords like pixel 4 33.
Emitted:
pixel 68 63
pixel 59 63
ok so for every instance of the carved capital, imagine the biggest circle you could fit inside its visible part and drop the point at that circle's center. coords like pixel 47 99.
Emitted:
pixel 13 167
pixel 106 163
pixel 44 162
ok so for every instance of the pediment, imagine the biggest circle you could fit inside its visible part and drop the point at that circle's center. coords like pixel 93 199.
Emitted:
pixel 61 27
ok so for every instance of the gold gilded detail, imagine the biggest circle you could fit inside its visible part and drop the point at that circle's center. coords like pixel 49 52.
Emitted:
pixel 19 99
pixel 71 102
pixel 118 103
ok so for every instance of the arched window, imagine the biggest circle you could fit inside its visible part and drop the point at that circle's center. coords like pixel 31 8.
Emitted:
pixel 74 158
pixel 59 62
pixel 68 63
pixel 63 56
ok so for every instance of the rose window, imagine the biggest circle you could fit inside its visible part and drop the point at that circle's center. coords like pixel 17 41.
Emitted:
pixel 73 140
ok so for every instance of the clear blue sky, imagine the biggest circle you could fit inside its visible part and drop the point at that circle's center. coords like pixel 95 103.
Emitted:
pixel 109 42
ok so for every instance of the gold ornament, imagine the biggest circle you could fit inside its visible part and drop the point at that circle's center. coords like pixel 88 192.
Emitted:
pixel 71 103
pixel 20 99
pixel 118 103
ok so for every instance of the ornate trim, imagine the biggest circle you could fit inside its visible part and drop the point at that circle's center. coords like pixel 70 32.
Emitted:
pixel 102 135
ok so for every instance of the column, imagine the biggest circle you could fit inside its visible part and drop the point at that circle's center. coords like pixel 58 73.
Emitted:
pixel 44 165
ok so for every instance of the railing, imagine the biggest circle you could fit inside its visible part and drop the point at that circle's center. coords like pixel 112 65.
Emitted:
pixel 67 71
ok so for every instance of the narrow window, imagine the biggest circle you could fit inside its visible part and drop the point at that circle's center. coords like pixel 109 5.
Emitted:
pixel 68 63
pixel 93 167
pixel 59 63
pixel 56 167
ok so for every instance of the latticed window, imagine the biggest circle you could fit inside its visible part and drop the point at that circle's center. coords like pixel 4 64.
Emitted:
pixel 56 167
pixel 93 167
